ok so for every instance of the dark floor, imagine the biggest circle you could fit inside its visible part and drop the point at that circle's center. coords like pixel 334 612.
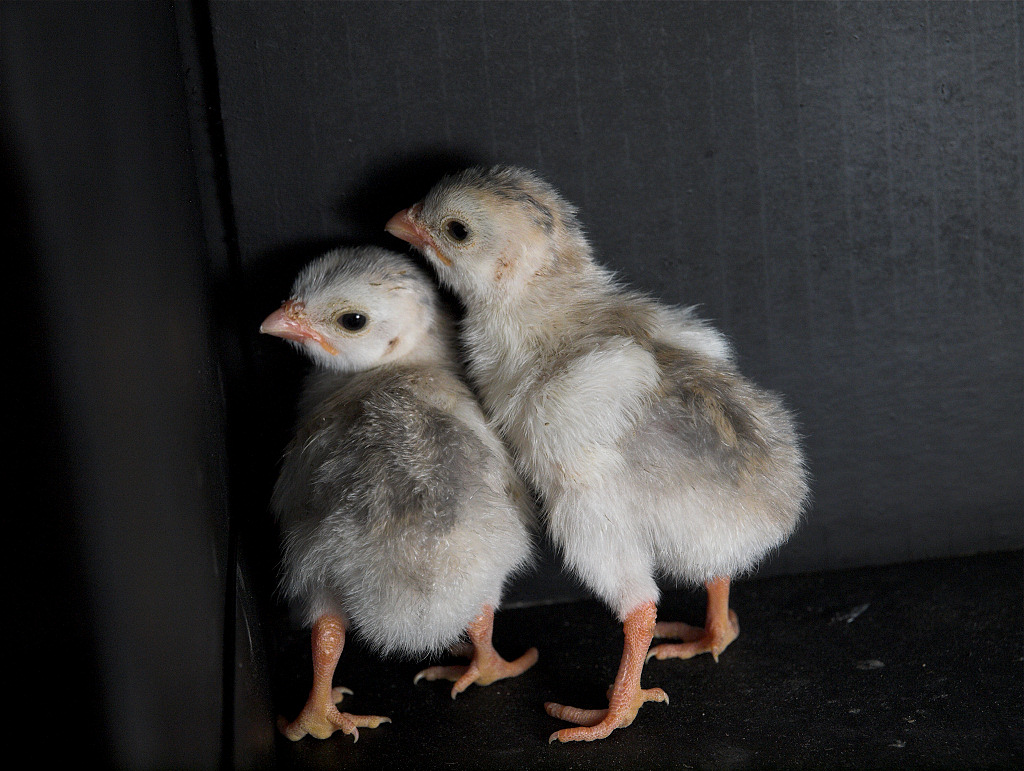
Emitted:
pixel 914 666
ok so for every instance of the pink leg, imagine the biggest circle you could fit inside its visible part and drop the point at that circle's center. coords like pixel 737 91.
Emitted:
pixel 320 717
pixel 626 696
pixel 486 665
pixel 721 628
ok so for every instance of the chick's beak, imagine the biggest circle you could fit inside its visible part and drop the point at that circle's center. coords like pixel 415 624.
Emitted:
pixel 406 226
pixel 289 322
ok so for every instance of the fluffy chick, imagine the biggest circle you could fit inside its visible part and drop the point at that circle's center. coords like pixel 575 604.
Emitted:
pixel 400 511
pixel 652 453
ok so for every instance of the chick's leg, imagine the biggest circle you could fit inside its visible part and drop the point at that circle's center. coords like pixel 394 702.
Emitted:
pixel 320 717
pixel 486 665
pixel 721 628
pixel 626 696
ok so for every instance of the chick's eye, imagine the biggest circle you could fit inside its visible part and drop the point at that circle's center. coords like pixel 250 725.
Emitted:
pixel 456 230
pixel 352 322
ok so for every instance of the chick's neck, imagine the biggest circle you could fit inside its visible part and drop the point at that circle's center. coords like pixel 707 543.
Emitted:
pixel 509 335
pixel 548 301
pixel 433 348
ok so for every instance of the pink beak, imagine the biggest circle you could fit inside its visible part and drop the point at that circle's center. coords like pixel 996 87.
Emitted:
pixel 405 225
pixel 289 322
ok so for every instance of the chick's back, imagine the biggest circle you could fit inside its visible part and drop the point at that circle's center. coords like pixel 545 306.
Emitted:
pixel 706 463
pixel 399 510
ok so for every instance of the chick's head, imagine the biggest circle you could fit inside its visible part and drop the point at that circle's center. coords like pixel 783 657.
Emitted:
pixel 354 309
pixel 490 231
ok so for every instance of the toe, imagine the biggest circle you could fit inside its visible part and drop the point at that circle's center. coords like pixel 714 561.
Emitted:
pixel 439 673
pixel 584 717
pixel 339 693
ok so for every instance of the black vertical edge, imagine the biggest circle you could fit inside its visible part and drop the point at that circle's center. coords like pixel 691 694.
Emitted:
pixel 52 616
pixel 199 67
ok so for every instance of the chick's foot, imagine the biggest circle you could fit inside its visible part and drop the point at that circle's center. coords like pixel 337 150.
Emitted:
pixel 486 665
pixel 696 640
pixel 320 719
pixel 720 629
pixel 598 723
pixel 625 697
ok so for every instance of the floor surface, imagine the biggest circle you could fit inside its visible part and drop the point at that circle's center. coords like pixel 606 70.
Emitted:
pixel 910 666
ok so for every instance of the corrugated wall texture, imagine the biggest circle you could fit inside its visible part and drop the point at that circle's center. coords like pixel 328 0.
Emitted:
pixel 839 185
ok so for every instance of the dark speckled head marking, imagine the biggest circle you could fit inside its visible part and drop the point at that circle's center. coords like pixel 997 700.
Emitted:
pixel 539 213
pixel 545 207
pixel 377 267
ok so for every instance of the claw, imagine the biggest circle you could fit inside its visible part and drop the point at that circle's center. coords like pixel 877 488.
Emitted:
pixel 339 693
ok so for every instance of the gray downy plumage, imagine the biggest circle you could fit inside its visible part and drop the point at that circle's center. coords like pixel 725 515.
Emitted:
pixel 400 510
pixel 653 454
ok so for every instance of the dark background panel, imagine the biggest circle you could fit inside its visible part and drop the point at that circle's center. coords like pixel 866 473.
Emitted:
pixel 838 186
pixel 118 545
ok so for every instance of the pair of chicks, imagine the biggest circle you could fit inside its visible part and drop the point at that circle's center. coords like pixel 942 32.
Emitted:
pixel 401 500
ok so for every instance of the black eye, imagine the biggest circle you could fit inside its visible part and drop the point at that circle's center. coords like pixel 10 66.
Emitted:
pixel 456 230
pixel 352 322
